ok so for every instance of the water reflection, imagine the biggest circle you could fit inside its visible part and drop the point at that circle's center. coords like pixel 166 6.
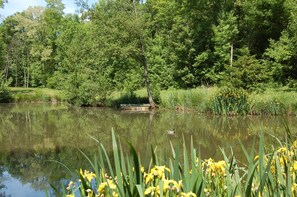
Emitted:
pixel 35 137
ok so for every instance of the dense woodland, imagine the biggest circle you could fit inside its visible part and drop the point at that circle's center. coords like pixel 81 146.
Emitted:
pixel 159 44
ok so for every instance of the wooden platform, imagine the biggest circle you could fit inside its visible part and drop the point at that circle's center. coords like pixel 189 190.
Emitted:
pixel 135 107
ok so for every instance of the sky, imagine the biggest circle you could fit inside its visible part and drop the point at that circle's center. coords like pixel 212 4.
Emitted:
pixel 14 6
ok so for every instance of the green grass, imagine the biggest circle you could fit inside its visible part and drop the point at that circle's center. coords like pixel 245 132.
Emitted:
pixel 231 102
pixel 273 102
pixel 20 94
pixel 203 99
pixel 197 99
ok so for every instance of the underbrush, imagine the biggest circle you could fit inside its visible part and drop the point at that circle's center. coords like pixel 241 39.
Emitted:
pixel 118 98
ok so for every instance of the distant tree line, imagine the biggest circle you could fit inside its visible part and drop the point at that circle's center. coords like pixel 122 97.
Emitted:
pixel 158 44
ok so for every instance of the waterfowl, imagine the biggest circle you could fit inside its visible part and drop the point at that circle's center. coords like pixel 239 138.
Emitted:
pixel 171 132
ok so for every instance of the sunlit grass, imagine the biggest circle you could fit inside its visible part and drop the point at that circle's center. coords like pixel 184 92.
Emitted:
pixel 20 94
pixel 202 99
pixel 219 101
pixel 196 99
pixel 274 102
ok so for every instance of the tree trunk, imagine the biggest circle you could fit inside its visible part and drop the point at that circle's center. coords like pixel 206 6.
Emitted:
pixel 6 68
pixel 231 55
pixel 147 80
pixel 144 62
pixel 16 75
pixel 25 78
pixel 28 77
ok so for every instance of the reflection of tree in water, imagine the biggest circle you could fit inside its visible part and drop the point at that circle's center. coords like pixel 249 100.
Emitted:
pixel 3 194
pixel 2 186
pixel 31 137
pixel 40 169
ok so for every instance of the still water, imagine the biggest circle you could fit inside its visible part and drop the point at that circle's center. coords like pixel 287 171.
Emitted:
pixel 38 140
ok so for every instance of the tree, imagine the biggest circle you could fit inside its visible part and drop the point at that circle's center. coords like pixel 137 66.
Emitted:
pixel 225 34
pixel 262 20
pixel 2 3
pixel 247 72
pixel 20 35
pixel 282 53
pixel 53 15
pixel 2 50
pixel 79 72
pixel 121 26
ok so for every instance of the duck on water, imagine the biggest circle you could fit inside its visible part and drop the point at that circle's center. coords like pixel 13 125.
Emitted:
pixel 171 132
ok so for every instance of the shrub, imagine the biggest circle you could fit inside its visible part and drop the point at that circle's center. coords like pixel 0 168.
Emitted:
pixel 126 98
pixel 5 96
pixel 247 72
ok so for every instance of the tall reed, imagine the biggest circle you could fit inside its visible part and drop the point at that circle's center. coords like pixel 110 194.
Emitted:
pixel 229 101
pixel 185 174
pixel 196 99
pixel 273 103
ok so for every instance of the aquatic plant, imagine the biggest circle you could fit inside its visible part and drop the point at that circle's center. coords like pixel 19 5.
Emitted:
pixel 229 101
pixel 273 102
pixel 183 174
pixel 195 99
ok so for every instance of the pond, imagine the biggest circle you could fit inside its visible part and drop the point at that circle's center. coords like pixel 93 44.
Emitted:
pixel 41 143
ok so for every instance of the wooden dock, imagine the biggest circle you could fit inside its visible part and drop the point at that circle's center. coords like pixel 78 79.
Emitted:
pixel 135 107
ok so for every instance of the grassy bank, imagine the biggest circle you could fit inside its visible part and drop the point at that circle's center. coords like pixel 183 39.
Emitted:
pixel 222 101
pixel 20 94
pixel 265 173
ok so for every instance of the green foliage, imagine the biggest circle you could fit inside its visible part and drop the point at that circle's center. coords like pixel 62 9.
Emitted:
pixel 225 34
pixel 196 99
pixel 36 95
pixel 280 56
pixel 2 3
pixel 271 173
pixel 230 101
pixel 246 72
pixel 126 98
pixel 215 100
pixel 273 103
pixel 123 45
pixel 5 95
pixel 261 21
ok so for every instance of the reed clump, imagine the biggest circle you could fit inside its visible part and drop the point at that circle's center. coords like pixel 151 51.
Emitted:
pixel 231 101
pixel 273 102
pixel 192 99
pixel 266 173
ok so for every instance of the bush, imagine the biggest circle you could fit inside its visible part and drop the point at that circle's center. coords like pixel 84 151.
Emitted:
pixel 126 98
pixel 5 96
pixel 247 73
